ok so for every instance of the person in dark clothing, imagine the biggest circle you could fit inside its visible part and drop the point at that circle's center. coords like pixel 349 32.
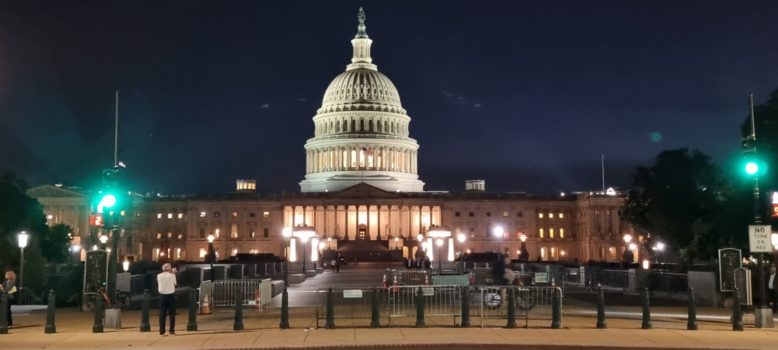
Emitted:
pixel 9 287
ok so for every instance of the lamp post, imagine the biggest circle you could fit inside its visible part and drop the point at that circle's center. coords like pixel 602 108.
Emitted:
pixel 286 233
pixel 523 250
pixel 304 233
pixel 210 256
pixel 461 238
pixel 22 239
pixel 658 248
pixel 103 240
pixel 439 243
pixel 628 255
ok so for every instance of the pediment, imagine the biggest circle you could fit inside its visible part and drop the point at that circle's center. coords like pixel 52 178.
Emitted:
pixel 49 191
pixel 363 190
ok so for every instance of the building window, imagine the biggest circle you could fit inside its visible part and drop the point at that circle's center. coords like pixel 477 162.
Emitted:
pixel 540 215
pixel 561 233
pixel 251 215
pixel 234 251
pixel 180 236
pixel 159 235
pixel 234 231
pixel 550 215
pixel 520 214
pixel 488 214
pixel 265 232
pixel 253 251
pixel 551 233
pixel 202 232
pixel 159 215
pixel 561 215
pixel 505 214
pixel 553 253
pixel 180 215
pixel 471 214
pixel 216 232
pixel 217 214
pixel 170 235
pixel 456 214
pixel 252 234
pixel 169 215
pixel 202 214
pixel 265 214
pixel 542 253
pixel 203 251
pixel 235 214
pixel 540 232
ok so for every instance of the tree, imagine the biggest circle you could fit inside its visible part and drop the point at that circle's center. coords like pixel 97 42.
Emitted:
pixel 678 199
pixel 766 123
pixel 18 212
pixel 55 243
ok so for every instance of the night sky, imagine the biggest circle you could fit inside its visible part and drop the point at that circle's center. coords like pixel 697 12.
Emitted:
pixel 526 95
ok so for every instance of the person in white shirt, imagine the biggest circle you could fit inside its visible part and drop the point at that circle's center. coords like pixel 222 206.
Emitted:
pixel 772 288
pixel 166 284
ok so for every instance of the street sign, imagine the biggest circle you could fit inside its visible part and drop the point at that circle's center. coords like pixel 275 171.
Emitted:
pixel 759 239
pixel 541 277
pixel 352 294
pixel 729 260
pixel 96 220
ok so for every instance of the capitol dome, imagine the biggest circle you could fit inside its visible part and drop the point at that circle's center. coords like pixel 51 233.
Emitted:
pixel 361 131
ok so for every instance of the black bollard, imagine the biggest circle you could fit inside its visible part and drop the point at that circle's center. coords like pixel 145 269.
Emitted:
pixel 465 308
pixel 737 313
pixel 144 314
pixel 691 324
pixel 556 309
pixel 238 324
pixel 284 309
pixel 601 309
pixel 3 314
pixel 420 308
pixel 50 327
pixel 375 311
pixel 97 326
pixel 511 308
pixel 191 325
pixel 330 323
pixel 646 324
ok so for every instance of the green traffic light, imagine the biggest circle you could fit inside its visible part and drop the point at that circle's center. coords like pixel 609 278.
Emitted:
pixel 108 201
pixel 751 168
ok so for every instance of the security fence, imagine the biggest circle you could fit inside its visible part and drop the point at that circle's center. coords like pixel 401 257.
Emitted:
pixel 438 301
pixel 529 302
pixel 668 283
pixel 223 293
pixel 348 304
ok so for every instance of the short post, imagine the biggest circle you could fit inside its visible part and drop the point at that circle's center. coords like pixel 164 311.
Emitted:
pixel 556 309
pixel 144 315
pixel 284 309
pixel 465 308
pixel 511 307
pixel 420 308
pixel 601 324
pixel 191 325
pixel 50 326
pixel 691 324
pixel 375 311
pixel 238 324
pixel 646 324
pixel 97 326
pixel 330 322
pixel 737 313
pixel 3 314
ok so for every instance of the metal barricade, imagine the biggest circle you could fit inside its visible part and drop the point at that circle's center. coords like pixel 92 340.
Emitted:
pixel 410 277
pixel 348 304
pixel 529 301
pixel 438 301
pixel 223 292
pixel 613 279
pixel 668 282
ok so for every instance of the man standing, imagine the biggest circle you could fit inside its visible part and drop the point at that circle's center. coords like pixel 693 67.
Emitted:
pixel 166 284
pixel 772 287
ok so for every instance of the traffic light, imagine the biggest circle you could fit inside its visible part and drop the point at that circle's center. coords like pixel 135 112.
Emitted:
pixel 752 165
pixel 110 198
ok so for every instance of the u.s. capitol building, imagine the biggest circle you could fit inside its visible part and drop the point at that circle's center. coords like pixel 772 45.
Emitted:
pixel 362 195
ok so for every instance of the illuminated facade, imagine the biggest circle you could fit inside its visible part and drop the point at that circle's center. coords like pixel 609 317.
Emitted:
pixel 361 186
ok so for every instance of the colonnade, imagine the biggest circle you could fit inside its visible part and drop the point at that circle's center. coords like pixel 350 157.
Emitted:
pixel 345 158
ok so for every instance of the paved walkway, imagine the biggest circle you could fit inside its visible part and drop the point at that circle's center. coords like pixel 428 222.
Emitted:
pixel 215 332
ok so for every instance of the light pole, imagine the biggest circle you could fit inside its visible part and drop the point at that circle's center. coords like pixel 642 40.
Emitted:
pixel 286 233
pixel 103 240
pixel 628 255
pixel 210 256
pixel 22 239
pixel 304 233
pixel 658 248
pixel 523 250
pixel 461 238
pixel 439 243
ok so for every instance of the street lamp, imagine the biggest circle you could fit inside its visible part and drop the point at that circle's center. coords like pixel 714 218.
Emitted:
pixel 498 231
pixel 103 240
pixel 304 233
pixel 210 256
pixel 126 265
pixel 439 243
pixel 523 252
pixel 22 239
pixel 628 248
pixel 461 238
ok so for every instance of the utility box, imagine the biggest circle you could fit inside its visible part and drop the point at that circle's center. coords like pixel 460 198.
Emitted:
pixel 743 284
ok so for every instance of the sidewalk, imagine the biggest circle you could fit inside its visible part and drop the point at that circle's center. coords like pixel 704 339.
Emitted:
pixel 215 332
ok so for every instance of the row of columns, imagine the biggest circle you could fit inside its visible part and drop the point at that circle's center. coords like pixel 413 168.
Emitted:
pixel 380 221
pixel 358 125
pixel 361 158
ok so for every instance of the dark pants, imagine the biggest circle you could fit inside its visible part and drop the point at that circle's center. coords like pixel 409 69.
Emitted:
pixel 8 312
pixel 167 305
pixel 773 296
